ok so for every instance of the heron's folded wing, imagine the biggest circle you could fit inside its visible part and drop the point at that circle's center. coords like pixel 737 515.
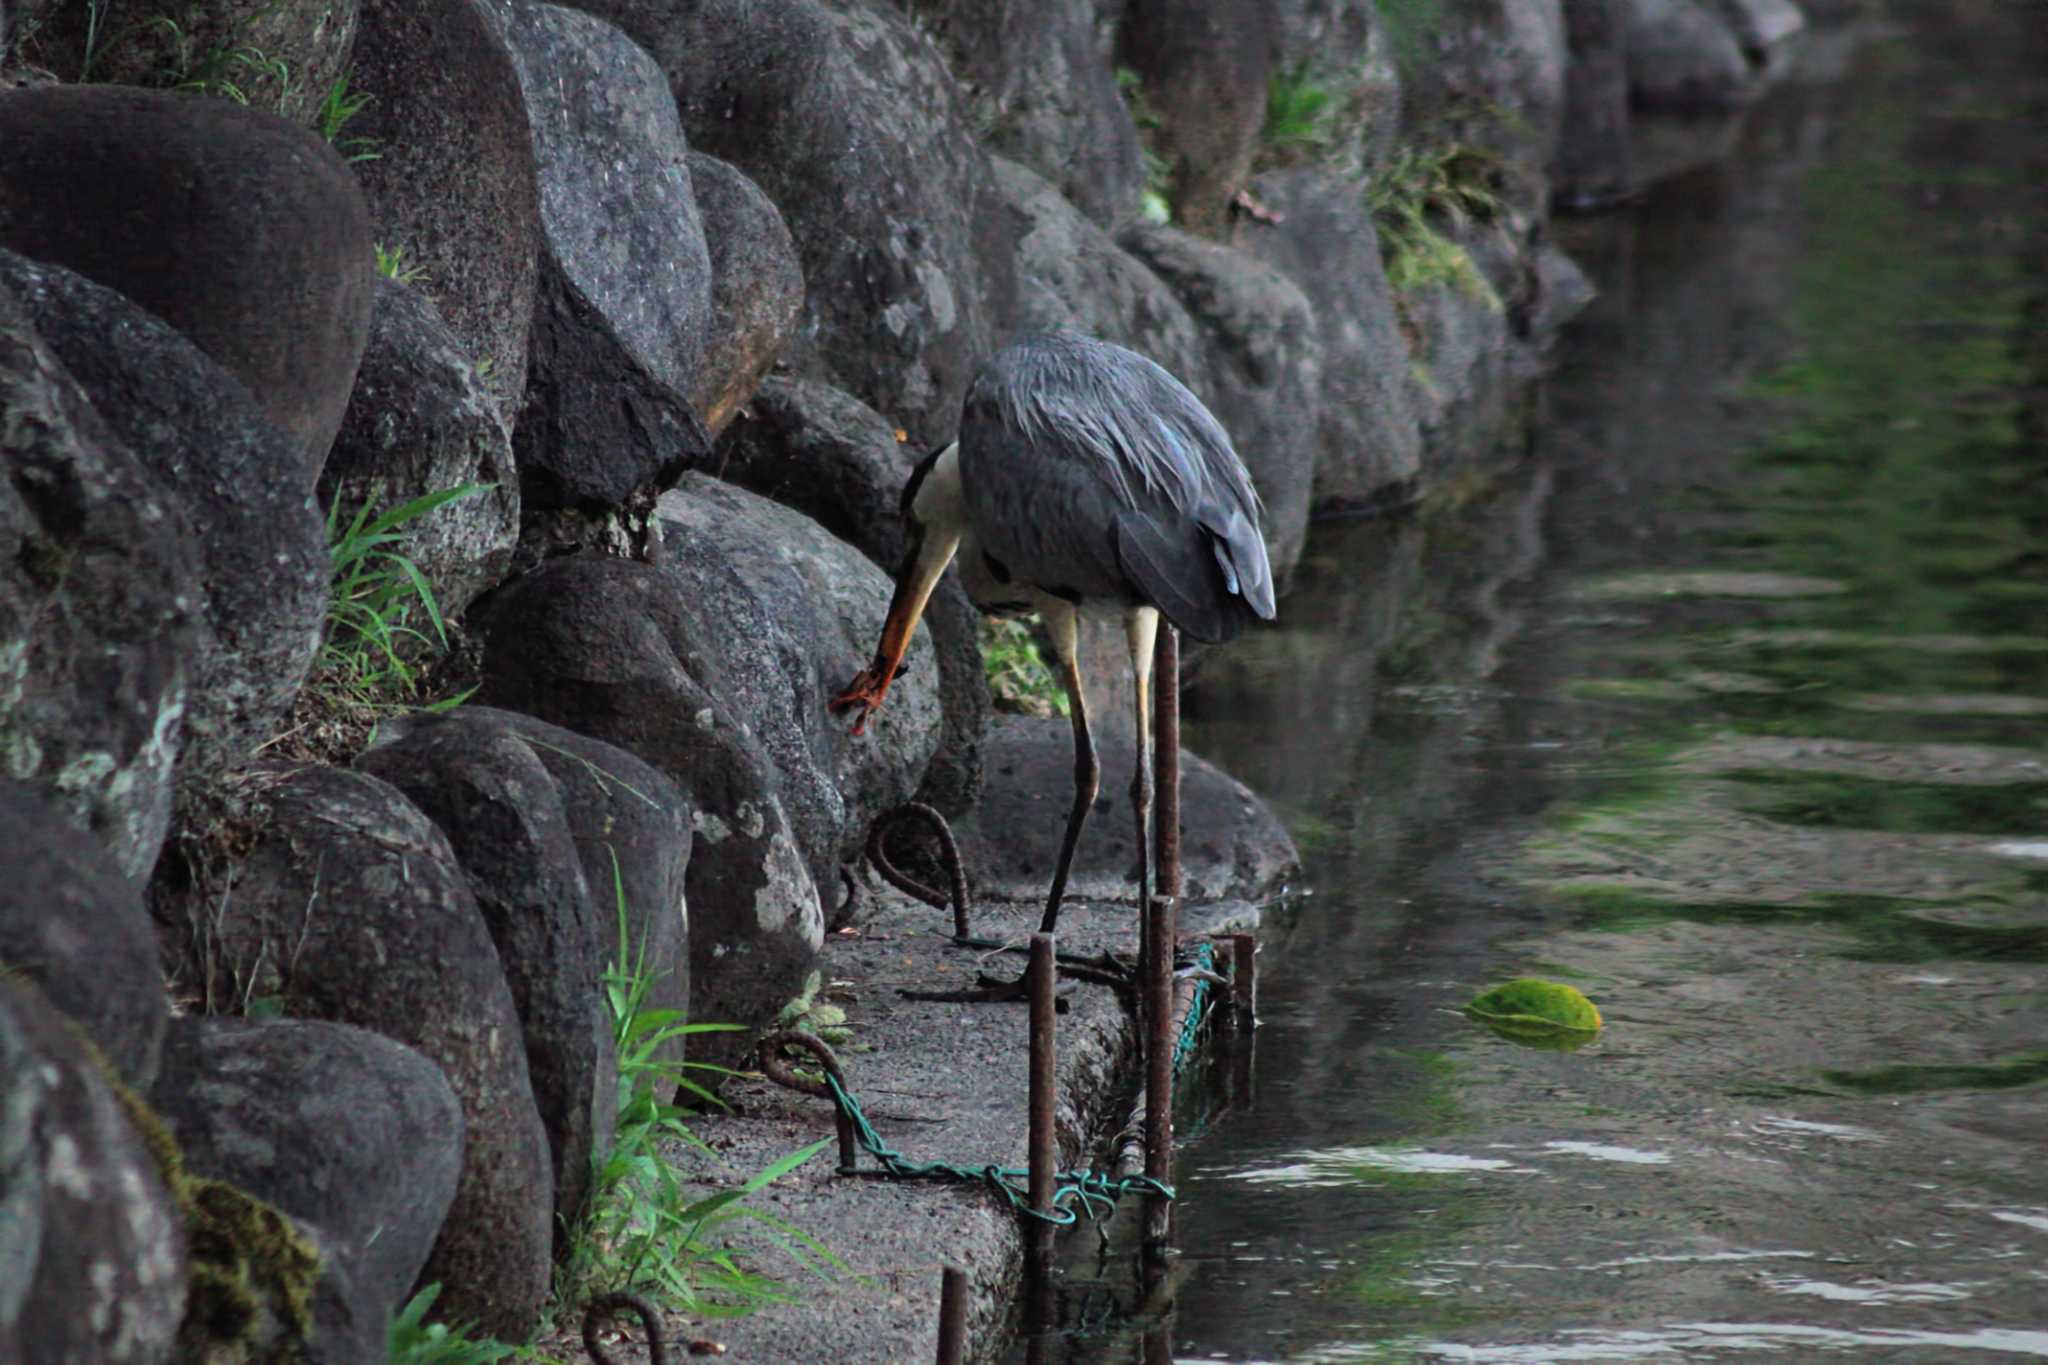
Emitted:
pixel 1172 568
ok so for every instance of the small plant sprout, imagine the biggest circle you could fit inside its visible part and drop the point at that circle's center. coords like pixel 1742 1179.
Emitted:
pixel 410 1339
pixel 642 1230
pixel 1455 184
pixel 1019 678
pixel 382 608
pixel 1299 114
pixel 337 107
pixel 392 265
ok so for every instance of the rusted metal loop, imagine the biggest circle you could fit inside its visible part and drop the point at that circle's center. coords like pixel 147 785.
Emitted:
pixel 949 854
pixel 603 1307
pixel 776 1067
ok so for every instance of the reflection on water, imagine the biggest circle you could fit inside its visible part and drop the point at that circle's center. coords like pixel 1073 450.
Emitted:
pixel 1727 708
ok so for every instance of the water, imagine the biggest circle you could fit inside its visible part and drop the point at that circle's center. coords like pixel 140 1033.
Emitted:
pixel 1726 705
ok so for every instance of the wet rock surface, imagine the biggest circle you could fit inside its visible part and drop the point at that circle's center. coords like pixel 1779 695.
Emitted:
pixel 262 567
pixel 75 926
pixel 103 595
pixel 757 287
pixel 421 420
pixel 343 863
pixel 368 1157
pixel 168 183
pixel 102 1266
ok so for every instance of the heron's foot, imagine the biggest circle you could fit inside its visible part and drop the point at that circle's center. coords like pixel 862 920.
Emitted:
pixel 866 691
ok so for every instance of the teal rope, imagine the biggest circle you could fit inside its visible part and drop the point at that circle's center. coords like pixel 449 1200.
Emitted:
pixel 1093 1192
pixel 1074 1192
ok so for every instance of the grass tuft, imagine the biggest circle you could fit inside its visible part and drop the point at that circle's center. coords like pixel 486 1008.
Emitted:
pixel 331 119
pixel 1456 185
pixel 392 265
pixel 382 608
pixel 1300 114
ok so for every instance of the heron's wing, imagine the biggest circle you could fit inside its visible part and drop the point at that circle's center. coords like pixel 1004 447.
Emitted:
pixel 1170 565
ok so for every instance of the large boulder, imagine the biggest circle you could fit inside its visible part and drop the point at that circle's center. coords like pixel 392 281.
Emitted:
pixel 799 612
pixel 453 186
pixel 246 234
pixel 630 826
pixel 624 308
pixel 1495 78
pixel 1232 845
pixel 421 421
pixel 507 821
pixel 74 925
pixel 1349 50
pixel 1683 54
pixel 1367 445
pixel 100 590
pixel 1203 68
pixel 263 566
pixel 95 1251
pixel 1072 273
pixel 280 57
pixel 848 118
pixel 1263 377
pixel 368 1156
pixel 1040 83
pixel 833 458
pixel 757 287
pixel 350 906
pixel 715 668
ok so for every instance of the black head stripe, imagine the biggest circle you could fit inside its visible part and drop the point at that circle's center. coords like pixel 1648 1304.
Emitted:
pixel 915 482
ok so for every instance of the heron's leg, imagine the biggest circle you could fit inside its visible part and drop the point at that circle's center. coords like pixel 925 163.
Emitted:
pixel 1062 622
pixel 1142 628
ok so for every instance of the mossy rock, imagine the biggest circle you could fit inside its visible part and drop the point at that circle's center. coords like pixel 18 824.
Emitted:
pixel 1538 1013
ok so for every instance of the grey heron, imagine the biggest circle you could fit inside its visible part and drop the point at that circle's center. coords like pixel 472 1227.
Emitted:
pixel 1086 479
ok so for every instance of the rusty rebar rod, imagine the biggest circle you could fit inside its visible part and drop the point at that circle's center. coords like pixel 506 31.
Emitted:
pixel 1043 979
pixel 953 1316
pixel 1131 1151
pixel 604 1307
pixel 768 1056
pixel 1161 1040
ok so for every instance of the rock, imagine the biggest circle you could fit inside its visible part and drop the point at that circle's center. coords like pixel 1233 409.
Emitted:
pixel 454 184
pixel 757 287
pixel 246 234
pixel 849 120
pixel 1350 50
pixel 279 57
pixel 506 819
pixel 834 459
pixel 421 421
pixel 1761 25
pixel 74 925
pixel 1464 353
pixel 1593 166
pixel 1202 67
pixel 263 562
pixel 617 650
pixel 369 1155
pixel 1264 376
pixel 1073 274
pixel 798 613
pixel 1367 445
pixel 96 1257
pixel 1038 81
pixel 631 829
pixel 1494 77
pixel 100 590
pixel 350 907
pixel 624 308
pixel 1682 55
pixel 1232 845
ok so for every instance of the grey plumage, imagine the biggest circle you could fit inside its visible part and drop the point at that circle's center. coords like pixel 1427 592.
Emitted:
pixel 1089 471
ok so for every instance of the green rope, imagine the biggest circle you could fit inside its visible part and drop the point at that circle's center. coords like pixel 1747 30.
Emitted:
pixel 1074 1192
pixel 1095 1193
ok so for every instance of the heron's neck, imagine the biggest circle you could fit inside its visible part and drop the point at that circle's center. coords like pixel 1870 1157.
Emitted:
pixel 940 505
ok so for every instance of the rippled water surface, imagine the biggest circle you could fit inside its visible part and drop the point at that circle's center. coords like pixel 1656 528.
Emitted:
pixel 1728 705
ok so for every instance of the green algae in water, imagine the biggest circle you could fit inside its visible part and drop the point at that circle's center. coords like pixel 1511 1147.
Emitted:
pixel 1836 801
pixel 1538 1013
pixel 1875 928
pixel 1916 1079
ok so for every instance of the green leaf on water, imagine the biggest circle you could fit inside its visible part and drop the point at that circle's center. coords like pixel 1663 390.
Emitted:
pixel 1538 1013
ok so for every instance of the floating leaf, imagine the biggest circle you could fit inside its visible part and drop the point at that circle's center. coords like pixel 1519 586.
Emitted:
pixel 1538 1013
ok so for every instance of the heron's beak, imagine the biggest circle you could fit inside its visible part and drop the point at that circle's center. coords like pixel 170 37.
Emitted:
pixel 922 566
